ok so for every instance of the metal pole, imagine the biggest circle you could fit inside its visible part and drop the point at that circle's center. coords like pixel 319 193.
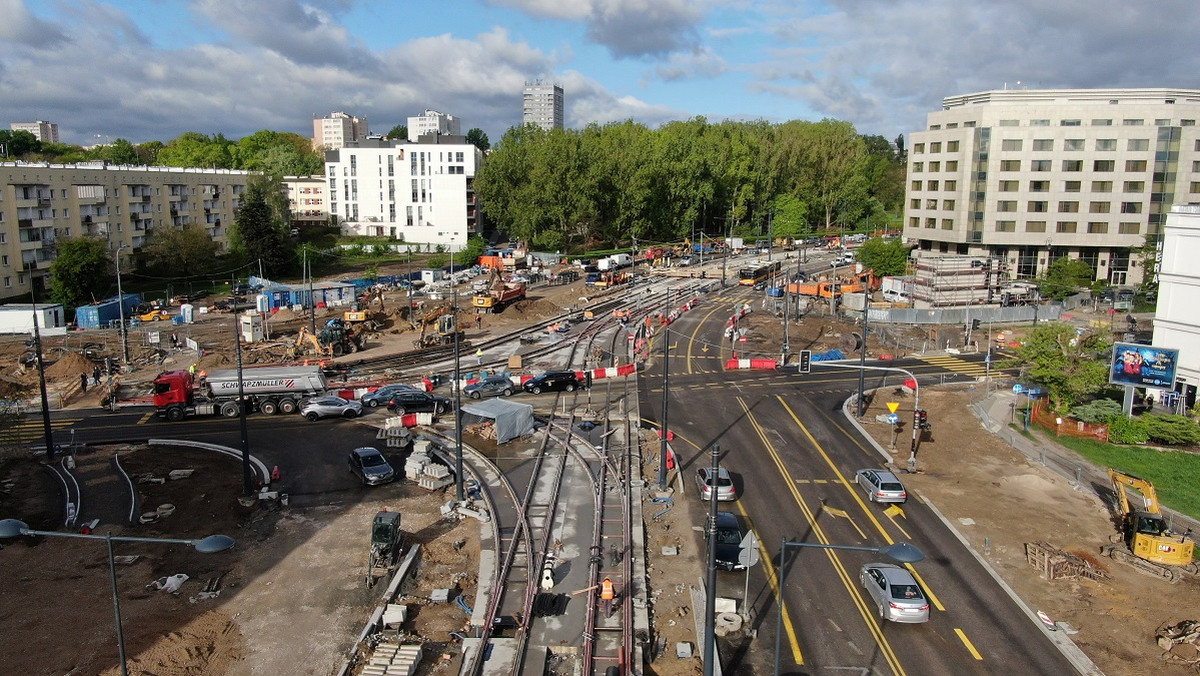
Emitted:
pixel 779 600
pixel 112 571
pixel 312 305
pixel 47 430
pixel 121 309
pixel 710 599
pixel 862 358
pixel 662 453
pixel 247 482
pixel 458 445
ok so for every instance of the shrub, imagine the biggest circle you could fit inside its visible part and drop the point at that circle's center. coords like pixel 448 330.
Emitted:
pixel 1172 430
pixel 438 261
pixel 1098 411
pixel 1122 430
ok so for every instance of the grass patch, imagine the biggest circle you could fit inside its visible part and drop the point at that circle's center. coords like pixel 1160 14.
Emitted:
pixel 1020 429
pixel 1175 474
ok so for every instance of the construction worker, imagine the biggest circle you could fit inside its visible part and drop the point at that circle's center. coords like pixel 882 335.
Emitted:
pixel 479 357
pixel 606 597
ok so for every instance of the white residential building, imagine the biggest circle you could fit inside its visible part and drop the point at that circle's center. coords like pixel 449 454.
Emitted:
pixel 337 130
pixel 47 132
pixel 542 104
pixel 420 193
pixel 1029 176
pixel 1176 324
pixel 433 122
pixel 306 199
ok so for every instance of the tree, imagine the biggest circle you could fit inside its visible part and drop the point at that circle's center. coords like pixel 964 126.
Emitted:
pixel 400 132
pixel 1069 366
pixel 17 144
pixel 885 257
pixel 185 251
pixel 260 228
pixel 1066 276
pixel 790 220
pixel 82 271
pixel 197 150
pixel 477 138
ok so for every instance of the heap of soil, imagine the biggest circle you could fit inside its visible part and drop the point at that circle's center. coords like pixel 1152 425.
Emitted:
pixel 536 307
pixel 70 365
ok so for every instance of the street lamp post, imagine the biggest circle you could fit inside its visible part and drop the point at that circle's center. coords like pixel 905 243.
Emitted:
pixel 710 597
pixel 901 552
pixel 47 430
pixel 11 528
pixel 458 445
pixel 121 308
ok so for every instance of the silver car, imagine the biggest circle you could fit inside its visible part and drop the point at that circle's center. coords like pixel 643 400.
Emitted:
pixel 725 488
pixel 881 485
pixel 491 386
pixel 895 592
pixel 331 407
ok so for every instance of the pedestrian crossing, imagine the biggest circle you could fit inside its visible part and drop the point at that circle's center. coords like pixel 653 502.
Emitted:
pixel 33 424
pixel 957 365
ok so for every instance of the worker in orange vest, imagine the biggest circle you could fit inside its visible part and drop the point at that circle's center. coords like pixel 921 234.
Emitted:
pixel 606 597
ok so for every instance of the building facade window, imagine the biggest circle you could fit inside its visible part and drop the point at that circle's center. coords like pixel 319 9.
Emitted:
pixel 1131 207
pixel 1102 186
pixel 1072 165
pixel 1043 145
pixel 1011 144
pixel 1135 186
pixel 1037 207
pixel 1129 228
pixel 1006 226
pixel 1104 165
pixel 1071 186
pixel 1137 144
pixel 1097 228
pixel 1039 186
pixel 1039 165
pixel 1035 226
pixel 1135 166
pixel 1065 227
pixel 952 165
pixel 1106 144
pixel 951 146
pixel 1099 207
pixel 1010 165
pixel 1010 186
pixel 1006 205
pixel 1068 207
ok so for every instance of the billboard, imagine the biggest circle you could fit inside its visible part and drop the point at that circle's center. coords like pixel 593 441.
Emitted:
pixel 1142 366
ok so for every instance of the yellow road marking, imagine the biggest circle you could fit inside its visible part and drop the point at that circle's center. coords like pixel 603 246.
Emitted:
pixel 145 419
pixel 848 582
pixel 764 557
pixel 967 642
pixel 692 338
pixel 891 513
pixel 834 511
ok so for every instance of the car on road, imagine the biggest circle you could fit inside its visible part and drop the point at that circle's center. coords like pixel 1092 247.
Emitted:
pixel 369 465
pixel 491 386
pixel 554 381
pixel 729 541
pixel 1125 295
pixel 725 488
pixel 881 485
pixel 330 407
pixel 415 401
pixel 895 591
pixel 383 395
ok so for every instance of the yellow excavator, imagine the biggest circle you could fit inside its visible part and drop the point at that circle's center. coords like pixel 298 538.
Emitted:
pixel 1146 541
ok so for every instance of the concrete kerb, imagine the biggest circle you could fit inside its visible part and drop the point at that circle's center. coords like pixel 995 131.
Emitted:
pixel 376 618
pixel 255 463
pixel 1082 663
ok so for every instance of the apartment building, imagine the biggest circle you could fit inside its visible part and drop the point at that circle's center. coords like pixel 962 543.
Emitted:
pixel 433 122
pixel 542 104
pixel 306 199
pixel 418 192
pixel 46 132
pixel 337 130
pixel 41 203
pixel 1030 176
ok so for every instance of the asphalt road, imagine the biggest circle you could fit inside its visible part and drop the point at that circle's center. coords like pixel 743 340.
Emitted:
pixel 793 457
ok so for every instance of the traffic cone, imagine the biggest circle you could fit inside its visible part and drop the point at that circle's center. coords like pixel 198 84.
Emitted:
pixel 275 473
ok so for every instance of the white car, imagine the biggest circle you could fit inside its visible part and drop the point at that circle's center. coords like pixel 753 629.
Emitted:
pixel 331 407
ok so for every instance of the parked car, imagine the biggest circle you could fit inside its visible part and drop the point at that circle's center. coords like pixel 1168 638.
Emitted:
pixel 554 381
pixel 369 465
pixel 1108 295
pixel 330 407
pixel 415 401
pixel 1125 295
pixel 895 592
pixel 881 485
pixel 383 395
pixel 729 540
pixel 491 386
pixel 725 488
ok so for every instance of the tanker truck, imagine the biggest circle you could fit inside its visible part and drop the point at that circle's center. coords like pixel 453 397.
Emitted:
pixel 270 390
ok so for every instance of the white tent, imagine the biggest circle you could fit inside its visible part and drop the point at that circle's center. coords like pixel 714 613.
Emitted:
pixel 512 420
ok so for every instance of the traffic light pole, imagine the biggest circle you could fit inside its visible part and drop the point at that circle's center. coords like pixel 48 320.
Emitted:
pixel 916 394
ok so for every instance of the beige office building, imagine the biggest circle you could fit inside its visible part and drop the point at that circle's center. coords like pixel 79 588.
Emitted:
pixel 43 203
pixel 338 129
pixel 1028 176
pixel 306 199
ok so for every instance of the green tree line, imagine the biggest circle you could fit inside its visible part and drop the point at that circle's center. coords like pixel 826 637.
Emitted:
pixel 607 184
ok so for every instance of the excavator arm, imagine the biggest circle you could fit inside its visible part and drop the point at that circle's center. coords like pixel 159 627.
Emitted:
pixel 1120 480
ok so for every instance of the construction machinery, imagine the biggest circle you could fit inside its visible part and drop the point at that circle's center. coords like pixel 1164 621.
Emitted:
pixel 498 293
pixel 386 542
pixel 1146 541
pixel 335 339
pixel 447 328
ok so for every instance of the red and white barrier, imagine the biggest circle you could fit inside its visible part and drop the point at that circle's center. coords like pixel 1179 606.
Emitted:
pixel 756 364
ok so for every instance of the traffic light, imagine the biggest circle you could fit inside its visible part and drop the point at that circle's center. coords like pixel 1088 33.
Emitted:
pixel 805 361
pixel 922 419
pixel 974 324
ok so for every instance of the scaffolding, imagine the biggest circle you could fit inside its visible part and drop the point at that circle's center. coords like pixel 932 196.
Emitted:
pixel 955 281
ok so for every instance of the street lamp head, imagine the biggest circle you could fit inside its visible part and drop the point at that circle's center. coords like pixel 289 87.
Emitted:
pixel 903 552
pixel 11 528
pixel 213 544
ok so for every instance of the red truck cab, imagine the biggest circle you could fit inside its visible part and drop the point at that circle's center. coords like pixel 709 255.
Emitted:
pixel 172 388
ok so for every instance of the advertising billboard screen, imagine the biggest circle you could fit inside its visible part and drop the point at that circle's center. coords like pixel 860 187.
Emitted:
pixel 1143 366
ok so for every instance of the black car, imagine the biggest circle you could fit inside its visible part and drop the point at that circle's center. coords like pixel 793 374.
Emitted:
pixel 417 402
pixel 729 541
pixel 554 381
pixel 369 465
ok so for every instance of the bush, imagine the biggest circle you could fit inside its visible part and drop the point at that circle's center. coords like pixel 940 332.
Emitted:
pixel 1122 430
pixel 1172 430
pixel 1098 411
pixel 438 261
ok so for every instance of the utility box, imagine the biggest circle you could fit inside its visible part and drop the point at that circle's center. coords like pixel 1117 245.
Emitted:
pixel 515 362
pixel 252 328
pixel 431 276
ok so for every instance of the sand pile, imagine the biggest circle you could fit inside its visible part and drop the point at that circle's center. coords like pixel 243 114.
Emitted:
pixel 70 365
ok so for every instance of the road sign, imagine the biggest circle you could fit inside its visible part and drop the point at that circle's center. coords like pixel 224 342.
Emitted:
pixel 1033 393
pixel 892 406
pixel 1018 388
pixel 748 554
pixel 893 418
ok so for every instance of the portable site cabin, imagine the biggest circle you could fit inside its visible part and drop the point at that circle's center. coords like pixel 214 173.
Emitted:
pixel 18 317
pixel 105 314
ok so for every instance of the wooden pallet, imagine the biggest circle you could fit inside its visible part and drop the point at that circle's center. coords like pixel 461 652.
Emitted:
pixel 1055 563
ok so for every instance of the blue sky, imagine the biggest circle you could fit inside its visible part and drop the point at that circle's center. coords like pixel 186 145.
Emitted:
pixel 154 69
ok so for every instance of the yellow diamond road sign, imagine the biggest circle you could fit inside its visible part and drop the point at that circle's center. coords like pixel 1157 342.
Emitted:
pixel 892 406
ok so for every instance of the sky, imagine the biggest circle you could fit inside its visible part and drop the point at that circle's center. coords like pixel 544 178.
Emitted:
pixel 149 70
